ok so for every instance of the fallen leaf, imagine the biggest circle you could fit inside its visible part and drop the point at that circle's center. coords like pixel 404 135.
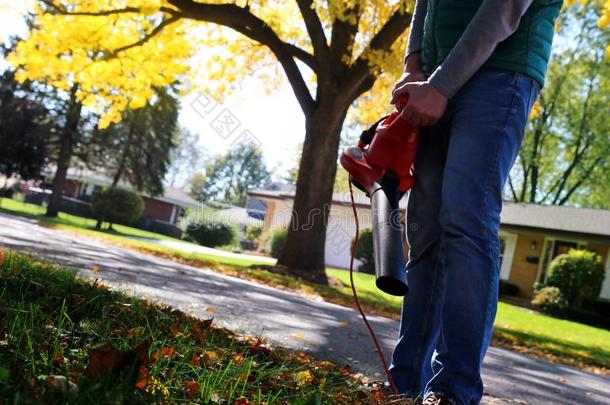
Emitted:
pixel 192 388
pixel 299 335
pixel 142 377
pixel 59 357
pixel 209 357
pixel 238 358
pixel 241 401
pixel 103 360
pixel 199 328
pixel 303 377
pixel 95 269
pixel 379 395
pixel 195 361
pixel 164 352
pixel 257 349
pixel 211 309
pixel 303 358
pixel 133 332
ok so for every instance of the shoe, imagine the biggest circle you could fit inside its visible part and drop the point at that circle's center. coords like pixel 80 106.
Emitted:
pixel 437 399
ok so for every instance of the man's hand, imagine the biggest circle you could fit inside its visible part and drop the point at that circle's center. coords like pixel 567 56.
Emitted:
pixel 412 73
pixel 407 77
pixel 426 105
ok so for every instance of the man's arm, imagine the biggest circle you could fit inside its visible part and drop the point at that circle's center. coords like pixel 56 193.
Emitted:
pixel 494 21
pixel 416 33
pixel 413 72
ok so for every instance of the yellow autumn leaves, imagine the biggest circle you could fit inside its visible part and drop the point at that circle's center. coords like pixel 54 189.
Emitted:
pixel 81 51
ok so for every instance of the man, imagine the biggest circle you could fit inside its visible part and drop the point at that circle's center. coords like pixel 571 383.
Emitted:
pixel 473 71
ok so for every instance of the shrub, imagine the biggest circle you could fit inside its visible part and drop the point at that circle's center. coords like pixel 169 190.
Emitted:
pixel 253 232
pixel 278 239
pixel 117 205
pixel 365 253
pixel 211 232
pixel 549 299
pixel 579 275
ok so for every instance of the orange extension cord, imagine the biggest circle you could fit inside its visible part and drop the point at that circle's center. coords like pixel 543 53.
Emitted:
pixel 351 280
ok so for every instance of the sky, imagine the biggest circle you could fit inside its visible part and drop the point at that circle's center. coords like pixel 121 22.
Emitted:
pixel 274 121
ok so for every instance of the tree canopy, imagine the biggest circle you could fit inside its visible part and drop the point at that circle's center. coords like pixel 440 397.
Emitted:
pixel 228 177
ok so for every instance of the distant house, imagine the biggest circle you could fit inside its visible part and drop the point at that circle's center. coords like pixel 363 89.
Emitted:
pixel 81 184
pixel 531 235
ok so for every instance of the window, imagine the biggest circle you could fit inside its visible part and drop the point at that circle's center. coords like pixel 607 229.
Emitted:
pixel 552 249
pixel 508 241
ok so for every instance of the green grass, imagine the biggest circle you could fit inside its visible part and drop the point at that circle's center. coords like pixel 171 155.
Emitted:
pixel 68 221
pixel 571 342
pixel 65 340
pixel 557 337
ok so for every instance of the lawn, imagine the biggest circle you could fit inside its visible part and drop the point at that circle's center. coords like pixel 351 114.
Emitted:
pixel 66 340
pixel 516 328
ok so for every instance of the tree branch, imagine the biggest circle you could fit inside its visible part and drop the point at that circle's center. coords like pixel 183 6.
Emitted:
pixel 243 21
pixel 315 30
pixel 360 71
pixel 342 37
pixel 115 52
pixel 103 13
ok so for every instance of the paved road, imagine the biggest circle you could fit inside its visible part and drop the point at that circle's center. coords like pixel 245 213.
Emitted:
pixel 326 330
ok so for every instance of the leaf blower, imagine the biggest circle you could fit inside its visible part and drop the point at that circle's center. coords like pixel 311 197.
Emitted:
pixel 382 166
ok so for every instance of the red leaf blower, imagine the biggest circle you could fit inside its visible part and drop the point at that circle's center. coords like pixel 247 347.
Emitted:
pixel 382 166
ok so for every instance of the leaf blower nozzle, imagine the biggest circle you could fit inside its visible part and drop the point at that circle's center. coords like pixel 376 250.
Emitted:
pixel 382 167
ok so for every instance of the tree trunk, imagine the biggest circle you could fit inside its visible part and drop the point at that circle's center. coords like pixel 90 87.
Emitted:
pixel 66 147
pixel 125 153
pixel 304 250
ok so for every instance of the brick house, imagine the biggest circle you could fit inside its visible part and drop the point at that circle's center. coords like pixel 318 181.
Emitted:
pixel 531 235
pixel 81 184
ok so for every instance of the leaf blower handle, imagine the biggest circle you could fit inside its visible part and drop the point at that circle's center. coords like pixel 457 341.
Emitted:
pixel 368 134
pixel 402 102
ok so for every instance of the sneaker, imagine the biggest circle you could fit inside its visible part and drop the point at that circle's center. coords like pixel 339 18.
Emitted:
pixel 437 399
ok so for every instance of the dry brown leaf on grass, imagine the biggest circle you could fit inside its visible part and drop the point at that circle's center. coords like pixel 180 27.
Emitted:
pixel 195 360
pixel 164 352
pixel 192 388
pixel 105 359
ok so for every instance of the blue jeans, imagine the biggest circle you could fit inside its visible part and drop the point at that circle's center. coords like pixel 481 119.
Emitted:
pixel 453 219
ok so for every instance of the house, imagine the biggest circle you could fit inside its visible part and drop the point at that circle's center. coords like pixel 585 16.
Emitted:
pixel 82 183
pixel 531 235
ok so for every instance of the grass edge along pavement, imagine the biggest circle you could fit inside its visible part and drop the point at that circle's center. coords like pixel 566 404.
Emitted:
pixel 518 329
pixel 66 339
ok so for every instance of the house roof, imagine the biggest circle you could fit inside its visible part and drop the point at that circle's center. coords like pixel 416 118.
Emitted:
pixel 360 198
pixel 238 215
pixel 557 218
pixel 171 195
pixel 548 217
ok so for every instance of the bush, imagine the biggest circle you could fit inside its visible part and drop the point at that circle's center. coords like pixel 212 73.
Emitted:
pixel 365 252
pixel 278 240
pixel 253 232
pixel 579 275
pixel 549 299
pixel 117 205
pixel 211 233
